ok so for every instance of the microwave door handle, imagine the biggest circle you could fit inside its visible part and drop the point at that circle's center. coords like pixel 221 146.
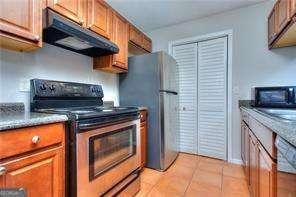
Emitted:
pixel 291 95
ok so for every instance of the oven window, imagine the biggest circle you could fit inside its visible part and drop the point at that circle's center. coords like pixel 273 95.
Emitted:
pixel 111 148
pixel 275 96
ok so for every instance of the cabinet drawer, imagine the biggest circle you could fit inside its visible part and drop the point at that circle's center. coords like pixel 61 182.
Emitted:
pixel 264 135
pixel 17 141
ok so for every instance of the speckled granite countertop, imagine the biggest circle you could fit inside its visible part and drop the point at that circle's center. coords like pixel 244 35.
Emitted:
pixel 13 115
pixel 285 129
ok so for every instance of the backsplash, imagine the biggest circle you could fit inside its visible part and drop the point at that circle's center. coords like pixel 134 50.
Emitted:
pixel 49 62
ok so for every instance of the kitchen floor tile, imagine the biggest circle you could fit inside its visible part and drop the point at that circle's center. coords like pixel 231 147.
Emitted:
pixel 180 171
pixel 145 189
pixel 187 160
pixel 233 170
pixel 210 160
pixel 234 187
pixel 210 178
pixel 195 176
pixel 172 185
pixel 151 176
pixel 210 167
pixel 196 189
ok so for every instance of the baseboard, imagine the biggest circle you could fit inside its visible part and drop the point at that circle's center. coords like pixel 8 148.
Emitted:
pixel 236 161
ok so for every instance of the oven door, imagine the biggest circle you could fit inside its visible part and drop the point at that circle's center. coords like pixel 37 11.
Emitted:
pixel 105 156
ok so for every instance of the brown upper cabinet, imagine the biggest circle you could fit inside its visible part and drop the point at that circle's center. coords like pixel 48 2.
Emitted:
pixel 72 9
pixel 272 31
pixel 283 14
pixel 282 24
pixel 21 27
pixel 135 35
pixel 116 63
pixel 21 24
pixel 99 16
pixel 139 39
pixel 147 43
pixel 293 8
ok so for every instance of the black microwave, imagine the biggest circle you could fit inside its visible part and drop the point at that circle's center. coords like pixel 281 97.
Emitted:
pixel 281 96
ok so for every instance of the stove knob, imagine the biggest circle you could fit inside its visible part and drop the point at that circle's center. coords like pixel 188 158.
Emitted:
pixel 42 87
pixel 52 87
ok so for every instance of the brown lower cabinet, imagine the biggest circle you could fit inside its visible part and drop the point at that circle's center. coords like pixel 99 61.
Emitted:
pixel 253 165
pixel 260 167
pixel 143 114
pixel 39 170
pixel 267 174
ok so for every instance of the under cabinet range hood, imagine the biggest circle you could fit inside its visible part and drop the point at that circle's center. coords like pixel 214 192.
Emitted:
pixel 64 33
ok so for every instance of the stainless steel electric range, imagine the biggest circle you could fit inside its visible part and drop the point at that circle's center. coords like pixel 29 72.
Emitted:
pixel 102 144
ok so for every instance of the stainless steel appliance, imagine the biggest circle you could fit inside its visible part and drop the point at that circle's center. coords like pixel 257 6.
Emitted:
pixel 64 33
pixel 282 96
pixel 286 168
pixel 152 82
pixel 103 144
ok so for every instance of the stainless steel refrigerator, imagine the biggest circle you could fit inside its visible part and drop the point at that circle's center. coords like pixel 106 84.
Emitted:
pixel 151 81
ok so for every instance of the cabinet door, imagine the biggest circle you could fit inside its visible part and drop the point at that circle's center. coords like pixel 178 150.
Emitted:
pixel 143 143
pixel 253 166
pixel 99 17
pixel 72 9
pixel 266 174
pixel 282 14
pixel 21 18
pixel 272 31
pixel 243 151
pixel 293 8
pixel 40 174
pixel 120 37
pixel 135 35
pixel 247 154
pixel 146 42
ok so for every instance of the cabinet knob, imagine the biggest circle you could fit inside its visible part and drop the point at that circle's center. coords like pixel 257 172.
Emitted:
pixel 35 139
pixel 141 116
pixel 2 170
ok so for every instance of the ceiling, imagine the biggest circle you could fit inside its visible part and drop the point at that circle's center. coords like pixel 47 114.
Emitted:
pixel 153 14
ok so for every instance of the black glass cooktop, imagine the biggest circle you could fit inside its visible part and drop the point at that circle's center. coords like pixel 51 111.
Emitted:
pixel 90 112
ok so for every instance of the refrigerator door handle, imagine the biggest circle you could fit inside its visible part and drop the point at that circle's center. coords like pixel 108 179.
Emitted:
pixel 168 92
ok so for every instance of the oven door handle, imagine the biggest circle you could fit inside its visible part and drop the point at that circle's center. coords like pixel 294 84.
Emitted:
pixel 88 126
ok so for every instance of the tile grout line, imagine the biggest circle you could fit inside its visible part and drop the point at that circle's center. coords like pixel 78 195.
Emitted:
pixel 196 167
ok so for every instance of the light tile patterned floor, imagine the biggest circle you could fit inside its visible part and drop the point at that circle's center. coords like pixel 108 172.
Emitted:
pixel 196 176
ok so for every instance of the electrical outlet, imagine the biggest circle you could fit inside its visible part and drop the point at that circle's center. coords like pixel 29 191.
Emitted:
pixel 24 85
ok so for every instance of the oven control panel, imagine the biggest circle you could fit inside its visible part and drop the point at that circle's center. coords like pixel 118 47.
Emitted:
pixel 48 88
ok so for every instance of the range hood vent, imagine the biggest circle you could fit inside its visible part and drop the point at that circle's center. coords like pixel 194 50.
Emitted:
pixel 64 33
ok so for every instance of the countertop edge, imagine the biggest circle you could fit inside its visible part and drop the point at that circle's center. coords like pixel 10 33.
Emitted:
pixel 54 118
pixel 283 129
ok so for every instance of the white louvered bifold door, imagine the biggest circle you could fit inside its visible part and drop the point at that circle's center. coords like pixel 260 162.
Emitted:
pixel 212 97
pixel 186 57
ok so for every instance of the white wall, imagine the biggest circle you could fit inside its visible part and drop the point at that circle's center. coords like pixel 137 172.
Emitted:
pixel 253 63
pixel 53 63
